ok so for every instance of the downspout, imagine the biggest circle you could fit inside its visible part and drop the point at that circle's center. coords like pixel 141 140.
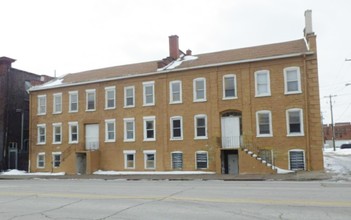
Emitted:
pixel 30 132
pixel 308 150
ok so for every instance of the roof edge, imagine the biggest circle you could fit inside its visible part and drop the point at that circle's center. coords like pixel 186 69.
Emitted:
pixel 40 88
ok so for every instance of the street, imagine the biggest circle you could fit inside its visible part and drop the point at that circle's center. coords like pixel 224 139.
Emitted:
pixel 164 199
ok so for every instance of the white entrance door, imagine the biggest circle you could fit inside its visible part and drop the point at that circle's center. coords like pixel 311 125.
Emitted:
pixel 92 137
pixel 231 132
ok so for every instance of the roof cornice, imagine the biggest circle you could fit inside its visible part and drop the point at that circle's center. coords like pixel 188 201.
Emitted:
pixel 42 87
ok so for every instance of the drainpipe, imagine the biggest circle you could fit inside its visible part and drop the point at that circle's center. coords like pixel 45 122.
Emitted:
pixel 308 151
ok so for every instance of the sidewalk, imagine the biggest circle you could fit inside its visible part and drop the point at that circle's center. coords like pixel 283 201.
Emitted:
pixel 299 176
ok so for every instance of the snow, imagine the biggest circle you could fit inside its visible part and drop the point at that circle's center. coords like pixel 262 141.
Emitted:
pixel 101 172
pixel 177 62
pixel 337 163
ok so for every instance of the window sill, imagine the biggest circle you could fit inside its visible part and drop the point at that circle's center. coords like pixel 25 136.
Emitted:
pixel 56 113
pixel 264 136
pixel 129 106
pixel 292 93
pixel 129 140
pixel 72 111
pixel 175 103
pixel 111 108
pixel 229 98
pixel 201 138
pixel 110 141
pixel 176 139
pixel 296 135
pixel 264 95
pixel 90 110
pixel 147 105
pixel 149 140
pixel 74 142
pixel 41 144
pixel 200 100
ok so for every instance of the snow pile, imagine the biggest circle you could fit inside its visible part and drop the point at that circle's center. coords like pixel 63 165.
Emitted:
pixel 338 163
pixel 100 172
pixel 21 172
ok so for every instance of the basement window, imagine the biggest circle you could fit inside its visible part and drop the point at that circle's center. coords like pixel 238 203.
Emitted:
pixel 296 160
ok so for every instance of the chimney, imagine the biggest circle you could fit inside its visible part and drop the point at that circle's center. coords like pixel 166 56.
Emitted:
pixel 308 23
pixel 5 64
pixel 174 47
pixel 188 52
pixel 308 32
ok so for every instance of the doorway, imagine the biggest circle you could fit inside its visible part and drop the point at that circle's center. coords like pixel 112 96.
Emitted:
pixel 92 136
pixel 81 163
pixel 230 162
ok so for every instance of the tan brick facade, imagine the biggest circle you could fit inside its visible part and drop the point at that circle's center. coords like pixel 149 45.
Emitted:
pixel 110 156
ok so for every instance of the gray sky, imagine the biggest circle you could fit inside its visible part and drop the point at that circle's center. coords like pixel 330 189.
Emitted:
pixel 70 36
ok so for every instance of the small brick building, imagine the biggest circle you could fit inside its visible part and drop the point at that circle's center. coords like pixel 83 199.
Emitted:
pixel 235 111
pixel 342 132
pixel 14 114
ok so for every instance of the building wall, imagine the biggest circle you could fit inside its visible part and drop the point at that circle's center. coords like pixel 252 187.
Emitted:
pixel 111 155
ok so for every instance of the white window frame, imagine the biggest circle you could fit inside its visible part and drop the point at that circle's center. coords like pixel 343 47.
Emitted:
pixel 148 152
pixel 71 93
pixel 301 133
pixel 196 159
pixel 53 159
pixel 125 96
pixel 197 137
pixel 235 87
pixel 195 90
pixel 107 122
pixel 258 123
pixel 147 119
pixel 39 99
pixel 171 92
pixel 172 128
pixel 129 120
pixel 257 92
pixel 38 161
pixel 152 85
pixel 38 134
pixel 126 153
pixel 304 158
pixel 107 91
pixel 57 103
pixel 297 69
pixel 177 152
pixel 56 125
pixel 70 125
pixel 87 92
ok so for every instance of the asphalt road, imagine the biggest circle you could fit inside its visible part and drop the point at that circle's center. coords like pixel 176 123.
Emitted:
pixel 144 199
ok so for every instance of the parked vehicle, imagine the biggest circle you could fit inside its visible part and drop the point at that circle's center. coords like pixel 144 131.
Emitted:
pixel 345 146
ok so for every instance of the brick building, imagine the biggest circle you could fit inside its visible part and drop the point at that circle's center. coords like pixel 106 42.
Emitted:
pixel 14 114
pixel 233 111
pixel 342 134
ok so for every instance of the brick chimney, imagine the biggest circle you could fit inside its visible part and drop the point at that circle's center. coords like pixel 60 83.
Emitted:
pixel 174 47
pixel 5 64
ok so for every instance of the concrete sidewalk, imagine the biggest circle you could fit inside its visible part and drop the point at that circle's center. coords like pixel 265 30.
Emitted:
pixel 299 176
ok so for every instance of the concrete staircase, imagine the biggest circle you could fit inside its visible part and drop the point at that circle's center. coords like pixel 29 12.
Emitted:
pixel 256 157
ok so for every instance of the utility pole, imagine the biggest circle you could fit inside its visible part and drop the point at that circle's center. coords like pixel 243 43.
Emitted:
pixel 331 116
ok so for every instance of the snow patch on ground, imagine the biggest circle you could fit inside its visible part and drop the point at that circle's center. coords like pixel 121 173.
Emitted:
pixel 101 172
pixel 338 163
pixel 21 172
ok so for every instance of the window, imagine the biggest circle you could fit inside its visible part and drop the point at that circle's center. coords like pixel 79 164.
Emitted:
pixel 199 86
pixel 110 97
pixel 129 129
pixel 296 160
pixel 90 99
pixel 229 86
pixel 73 132
pixel 129 159
pixel 41 160
pixel 294 122
pixel 57 133
pixel 73 101
pixel 110 130
pixel 200 127
pixel 201 160
pixel 262 83
pixel 56 159
pixel 292 81
pixel 177 160
pixel 150 159
pixel 264 123
pixel 129 97
pixel 149 128
pixel 57 108
pixel 41 104
pixel 41 139
pixel 175 92
pixel 149 93
pixel 176 128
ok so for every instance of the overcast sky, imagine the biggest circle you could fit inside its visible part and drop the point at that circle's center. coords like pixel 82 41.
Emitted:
pixel 70 36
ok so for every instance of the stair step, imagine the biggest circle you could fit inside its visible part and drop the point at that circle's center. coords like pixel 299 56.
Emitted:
pixel 269 165
pixel 263 161
pixel 259 158
pixel 245 149
pixel 254 155
pixel 250 152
